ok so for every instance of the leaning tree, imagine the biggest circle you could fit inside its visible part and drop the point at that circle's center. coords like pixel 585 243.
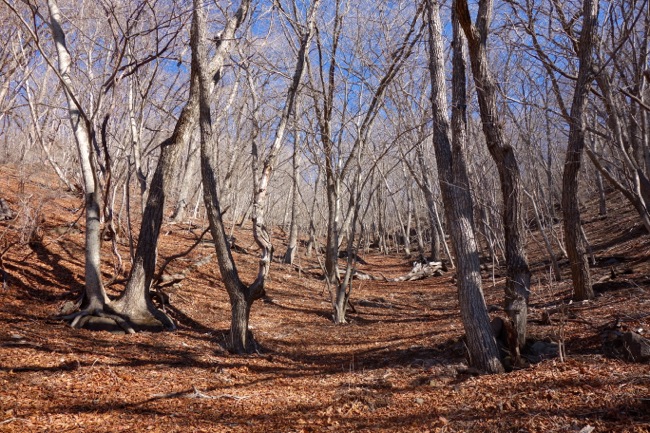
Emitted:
pixel 449 143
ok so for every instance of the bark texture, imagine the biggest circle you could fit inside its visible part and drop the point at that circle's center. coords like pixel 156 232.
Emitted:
pixel 518 272
pixel 454 184
pixel 241 296
pixel 575 246
pixel 95 295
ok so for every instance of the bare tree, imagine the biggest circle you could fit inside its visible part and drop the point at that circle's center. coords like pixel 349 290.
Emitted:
pixel 242 296
pixel 518 272
pixel 292 243
pixel 572 227
pixel 95 296
pixel 454 184
pixel 337 166
pixel 263 176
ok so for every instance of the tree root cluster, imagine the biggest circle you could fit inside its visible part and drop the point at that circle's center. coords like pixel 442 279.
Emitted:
pixel 110 319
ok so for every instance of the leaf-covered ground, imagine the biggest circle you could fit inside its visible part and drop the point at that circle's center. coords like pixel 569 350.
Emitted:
pixel 398 366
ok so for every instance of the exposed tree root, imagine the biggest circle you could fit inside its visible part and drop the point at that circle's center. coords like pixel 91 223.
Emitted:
pixel 81 318
pixel 112 321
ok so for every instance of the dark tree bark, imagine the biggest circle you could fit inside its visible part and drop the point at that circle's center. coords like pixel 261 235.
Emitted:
pixel 454 184
pixel 135 302
pixel 518 272
pixel 241 296
pixel 575 246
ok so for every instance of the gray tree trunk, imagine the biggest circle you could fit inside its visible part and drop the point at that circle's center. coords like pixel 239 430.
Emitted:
pixel 312 225
pixel 582 288
pixel 518 272
pixel 186 185
pixel 261 179
pixel 427 190
pixel 95 295
pixel 290 254
pixel 241 296
pixel 454 184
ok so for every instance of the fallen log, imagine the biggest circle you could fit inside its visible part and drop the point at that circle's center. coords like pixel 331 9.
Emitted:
pixel 419 271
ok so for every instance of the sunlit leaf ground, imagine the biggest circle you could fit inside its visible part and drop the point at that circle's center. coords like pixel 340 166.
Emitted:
pixel 398 366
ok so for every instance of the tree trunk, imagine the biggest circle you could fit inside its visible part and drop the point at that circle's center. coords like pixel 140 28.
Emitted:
pixel 135 300
pixel 454 184
pixel 241 339
pixel 312 226
pixel 427 190
pixel 262 179
pixel 332 242
pixel 240 296
pixel 575 247
pixel 135 144
pixel 95 296
pixel 602 199
pixel 518 272
pixel 290 254
pixel 418 228
pixel 187 183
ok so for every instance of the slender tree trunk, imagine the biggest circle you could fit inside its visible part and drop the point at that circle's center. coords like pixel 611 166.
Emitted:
pixel 518 272
pixel 419 229
pixel 602 199
pixel 454 184
pixel 312 226
pixel 427 190
pixel 241 297
pixel 574 242
pixel 95 296
pixel 332 243
pixel 290 254
pixel 136 145
pixel 260 183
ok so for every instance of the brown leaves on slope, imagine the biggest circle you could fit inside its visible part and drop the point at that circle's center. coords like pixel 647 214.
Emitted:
pixel 397 367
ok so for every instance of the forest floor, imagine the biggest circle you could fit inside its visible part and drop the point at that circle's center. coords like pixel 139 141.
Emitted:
pixel 398 366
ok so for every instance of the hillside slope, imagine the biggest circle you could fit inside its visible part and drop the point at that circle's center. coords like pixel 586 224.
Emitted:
pixel 398 366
